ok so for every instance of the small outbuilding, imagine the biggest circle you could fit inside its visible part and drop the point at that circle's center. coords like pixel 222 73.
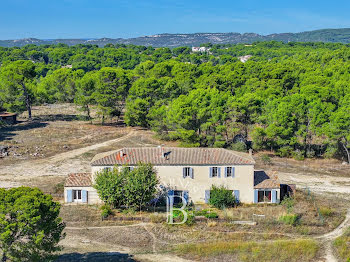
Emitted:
pixel 8 118
pixel 78 189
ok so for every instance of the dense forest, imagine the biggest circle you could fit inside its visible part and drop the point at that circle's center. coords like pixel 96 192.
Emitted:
pixel 293 98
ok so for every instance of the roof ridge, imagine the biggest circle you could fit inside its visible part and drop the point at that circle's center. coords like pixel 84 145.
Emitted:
pixel 195 155
pixel 250 158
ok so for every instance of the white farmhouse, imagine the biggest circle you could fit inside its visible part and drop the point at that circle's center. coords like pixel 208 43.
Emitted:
pixel 187 172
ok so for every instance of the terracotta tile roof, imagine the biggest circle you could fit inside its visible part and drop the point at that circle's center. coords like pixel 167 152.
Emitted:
pixel 78 179
pixel 263 180
pixel 174 156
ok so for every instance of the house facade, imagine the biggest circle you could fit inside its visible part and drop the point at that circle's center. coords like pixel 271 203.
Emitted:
pixel 186 172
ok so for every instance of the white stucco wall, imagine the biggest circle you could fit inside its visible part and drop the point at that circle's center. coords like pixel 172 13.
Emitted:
pixel 92 195
pixel 172 177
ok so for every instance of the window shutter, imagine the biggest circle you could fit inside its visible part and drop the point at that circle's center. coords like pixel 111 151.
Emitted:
pixel 233 172
pixel 273 196
pixel 219 172
pixel 185 195
pixel 84 196
pixel 170 199
pixel 131 168
pixel 183 172
pixel 225 171
pixel 207 196
pixel 256 196
pixel 210 172
pixel 236 194
pixel 191 172
pixel 69 196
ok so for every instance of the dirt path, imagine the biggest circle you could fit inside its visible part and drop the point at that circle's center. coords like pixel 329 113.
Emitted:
pixel 58 165
pixel 329 237
pixel 319 183
pixel 118 252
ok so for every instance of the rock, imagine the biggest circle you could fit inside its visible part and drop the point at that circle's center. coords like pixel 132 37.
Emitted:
pixel 3 148
pixel 345 163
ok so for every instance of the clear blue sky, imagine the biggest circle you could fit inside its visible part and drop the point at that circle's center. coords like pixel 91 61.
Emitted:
pixel 122 18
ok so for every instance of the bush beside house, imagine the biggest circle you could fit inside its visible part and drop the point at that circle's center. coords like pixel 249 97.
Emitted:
pixel 131 188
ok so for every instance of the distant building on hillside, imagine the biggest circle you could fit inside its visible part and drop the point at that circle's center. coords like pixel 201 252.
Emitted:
pixel 201 49
pixel 245 58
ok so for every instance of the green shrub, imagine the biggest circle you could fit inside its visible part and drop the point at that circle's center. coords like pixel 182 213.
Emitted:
pixel 59 188
pixel 284 151
pixel 310 153
pixel 331 152
pixel 211 215
pixel 289 219
pixel 106 211
pixel 288 202
pixel 178 216
pixel 220 197
pixel 129 211
pixel 239 146
pixel 298 155
pixel 326 211
pixel 201 212
pixel 266 159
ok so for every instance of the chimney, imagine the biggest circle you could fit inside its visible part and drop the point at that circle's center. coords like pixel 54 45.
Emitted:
pixel 121 153
pixel 251 152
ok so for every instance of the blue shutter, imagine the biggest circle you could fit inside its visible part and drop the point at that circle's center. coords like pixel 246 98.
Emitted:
pixel 210 172
pixel 233 172
pixel 236 194
pixel 170 199
pixel 191 172
pixel 131 168
pixel 185 195
pixel 207 196
pixel 273 196
pixel 225 171
pixel 183 172
pixel 256 196
pixel 219 172
pixel 69 196
pixel 84 196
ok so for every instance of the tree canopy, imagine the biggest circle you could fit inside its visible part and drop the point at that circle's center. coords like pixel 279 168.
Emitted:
pixel 30 228
pixel 290 98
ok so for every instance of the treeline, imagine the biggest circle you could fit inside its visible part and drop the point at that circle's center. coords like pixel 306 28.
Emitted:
pixel 290 98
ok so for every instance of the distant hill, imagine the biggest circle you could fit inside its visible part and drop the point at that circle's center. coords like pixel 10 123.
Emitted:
pixel 174 40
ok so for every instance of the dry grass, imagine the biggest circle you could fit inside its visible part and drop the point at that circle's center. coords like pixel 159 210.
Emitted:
pixel 342 246
pixel 332 167
pixel 288 250
pixel 54 129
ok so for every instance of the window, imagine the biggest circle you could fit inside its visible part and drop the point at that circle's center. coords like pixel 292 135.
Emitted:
pixel 264 196
pixel 214 172
pixel 187 171
pixel 229 171
pixel 77 195
pixel 179 195
pixel 129 168
pixel 107 169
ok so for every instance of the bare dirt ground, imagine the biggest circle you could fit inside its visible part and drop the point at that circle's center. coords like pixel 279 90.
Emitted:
pixel 58 142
